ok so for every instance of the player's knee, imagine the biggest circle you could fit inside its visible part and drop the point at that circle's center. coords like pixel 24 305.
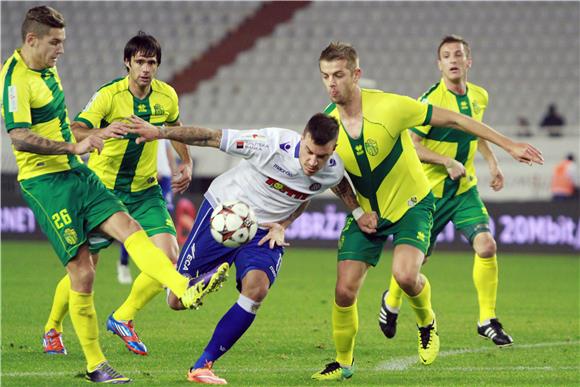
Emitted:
pixel 256 293
pixel 486 247
pixel 345 294
pixel 407 280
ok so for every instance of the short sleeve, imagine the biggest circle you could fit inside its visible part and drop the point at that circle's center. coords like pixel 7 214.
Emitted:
pixel 174 111
pixel 96 110
pixel 407 113
pixel 16 104
pixel 245 143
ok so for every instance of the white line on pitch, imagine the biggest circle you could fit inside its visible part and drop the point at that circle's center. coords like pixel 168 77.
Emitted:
pixel 404 362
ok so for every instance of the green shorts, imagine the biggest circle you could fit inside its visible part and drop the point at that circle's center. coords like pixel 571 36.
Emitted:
pixel 414 229
pixel 466 211
pixel 68 205
pixel 148 208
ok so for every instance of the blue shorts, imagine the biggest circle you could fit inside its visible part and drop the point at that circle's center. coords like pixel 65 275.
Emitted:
pixel 165 184
pixel 201 253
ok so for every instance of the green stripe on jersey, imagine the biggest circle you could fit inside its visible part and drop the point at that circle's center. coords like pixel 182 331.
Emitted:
pixel 8 115
pixel 370 181
pixel 128 167
pixel 53 109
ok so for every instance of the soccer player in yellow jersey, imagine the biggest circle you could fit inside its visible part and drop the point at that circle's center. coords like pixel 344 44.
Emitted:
pixel 129 171
pixel 380 158
pixel 447 155
pixel 68 200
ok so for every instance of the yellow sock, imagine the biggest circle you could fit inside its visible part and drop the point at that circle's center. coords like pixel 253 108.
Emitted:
pixel 84 320
pixel 59 305
pixel 344 329
pixel 144 289
pixel 421 304
pixel 485 279
pixel 395 296
pixel 152 261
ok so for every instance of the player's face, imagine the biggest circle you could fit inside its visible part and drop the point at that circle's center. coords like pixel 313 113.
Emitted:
pixel 48 48
pixel 339 81
pixel 142 69
pixel 453 61
pixel 314 157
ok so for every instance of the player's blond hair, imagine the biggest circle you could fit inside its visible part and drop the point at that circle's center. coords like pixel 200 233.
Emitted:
pixel 338 51
pixel 453 39
pixel 39 20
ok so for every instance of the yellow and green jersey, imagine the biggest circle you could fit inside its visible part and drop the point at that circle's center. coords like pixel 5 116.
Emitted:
pixel 382 162
pixel 33 99
pixel 123 164
pixel 452 142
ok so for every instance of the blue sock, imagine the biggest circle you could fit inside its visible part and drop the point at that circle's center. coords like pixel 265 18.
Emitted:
pixel 124 259
pixel 230 328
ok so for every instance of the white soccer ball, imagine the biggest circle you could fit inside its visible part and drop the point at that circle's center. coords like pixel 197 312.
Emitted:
pixel 233 223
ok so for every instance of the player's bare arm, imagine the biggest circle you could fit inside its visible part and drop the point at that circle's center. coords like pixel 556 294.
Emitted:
pixel 26 141
pixel 114 130
pixel 454 168
pixel 191 135
pixel 182 176
pixel 276 230
pixel 367 221
pixel 497 178
pixel 520 151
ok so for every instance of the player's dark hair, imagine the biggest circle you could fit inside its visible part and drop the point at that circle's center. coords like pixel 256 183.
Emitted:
pixel 453 39
pixel 338 51
pixel 144 44
pixel 39 20
pixel 322 128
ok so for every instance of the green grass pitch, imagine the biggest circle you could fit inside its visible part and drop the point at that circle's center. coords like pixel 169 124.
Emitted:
pixel 538 303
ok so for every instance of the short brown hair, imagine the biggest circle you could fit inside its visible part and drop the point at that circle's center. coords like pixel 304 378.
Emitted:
pixel 40 20
pixel 338 51
pixel 453 39
pixel 322 128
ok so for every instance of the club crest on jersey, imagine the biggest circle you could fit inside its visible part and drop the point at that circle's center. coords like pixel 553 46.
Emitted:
pixel 476 107
pixel 239 145
pixel 371 147
pixel 158 110
pixel 315 186
pixel 275 184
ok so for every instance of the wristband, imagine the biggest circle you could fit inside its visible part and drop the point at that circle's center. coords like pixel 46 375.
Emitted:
pixel 357 213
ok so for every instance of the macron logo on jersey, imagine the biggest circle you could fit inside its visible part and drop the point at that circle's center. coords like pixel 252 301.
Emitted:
pixel 287 190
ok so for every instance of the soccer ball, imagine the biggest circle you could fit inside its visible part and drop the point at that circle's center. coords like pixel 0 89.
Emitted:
pixel 233 223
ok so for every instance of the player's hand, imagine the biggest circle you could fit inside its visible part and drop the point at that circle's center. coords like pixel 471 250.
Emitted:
pixel 275 235
pixel 144 129
pixel 181 178
pixel 497 178
pixel 368 222
pixel 454 168
pixel 89 144
pixel 115 130
pixel 525 153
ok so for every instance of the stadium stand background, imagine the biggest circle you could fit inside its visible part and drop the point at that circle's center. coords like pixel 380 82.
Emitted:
pixel 254 64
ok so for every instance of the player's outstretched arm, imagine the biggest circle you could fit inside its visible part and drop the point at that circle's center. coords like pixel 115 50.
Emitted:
pixel 24 140
pixel 367 221
pixel 497 178
pixel 191 135
pixel 520 151
pixel 454 168
pixel 114 130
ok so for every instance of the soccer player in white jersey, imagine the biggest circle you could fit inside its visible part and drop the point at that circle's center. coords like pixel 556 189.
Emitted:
pixel 280 171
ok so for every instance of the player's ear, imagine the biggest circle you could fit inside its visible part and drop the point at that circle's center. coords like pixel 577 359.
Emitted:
pixel 439 65
pixel 469 62
pixel 357 73
pixel 127 64
pixel 30 39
